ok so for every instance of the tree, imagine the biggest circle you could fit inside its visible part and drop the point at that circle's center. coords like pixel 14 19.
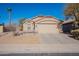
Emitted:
pixel 22 20
pixel 9 11
pixel 21 23
pixel 72 10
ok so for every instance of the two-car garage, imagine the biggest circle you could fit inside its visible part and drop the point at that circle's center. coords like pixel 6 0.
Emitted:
pixel 47 25
pixel 47 28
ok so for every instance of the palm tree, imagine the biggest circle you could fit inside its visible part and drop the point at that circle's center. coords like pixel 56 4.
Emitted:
pixel 9 11
pixel 10 20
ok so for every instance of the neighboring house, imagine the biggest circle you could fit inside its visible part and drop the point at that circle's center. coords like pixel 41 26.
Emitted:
pixel 67 25
pixel 8 28
pixel 1 28
pixel 41 24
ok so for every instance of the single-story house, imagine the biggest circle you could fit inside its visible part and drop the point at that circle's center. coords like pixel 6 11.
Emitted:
pixel 41 24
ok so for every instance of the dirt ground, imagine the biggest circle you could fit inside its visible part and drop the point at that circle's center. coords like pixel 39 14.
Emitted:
pixel 28 38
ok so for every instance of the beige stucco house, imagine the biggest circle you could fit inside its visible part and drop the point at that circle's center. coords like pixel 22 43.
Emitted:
pixel 41 24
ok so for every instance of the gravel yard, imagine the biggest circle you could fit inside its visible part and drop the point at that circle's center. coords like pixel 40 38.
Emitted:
pixel 27 38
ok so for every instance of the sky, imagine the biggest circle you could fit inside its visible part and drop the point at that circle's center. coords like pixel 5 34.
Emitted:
pixel 30 10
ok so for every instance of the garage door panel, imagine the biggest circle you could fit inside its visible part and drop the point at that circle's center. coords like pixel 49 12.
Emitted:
pixel 45 28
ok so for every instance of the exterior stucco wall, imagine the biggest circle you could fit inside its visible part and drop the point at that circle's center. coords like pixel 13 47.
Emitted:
pixel 28 27
pixel 47 20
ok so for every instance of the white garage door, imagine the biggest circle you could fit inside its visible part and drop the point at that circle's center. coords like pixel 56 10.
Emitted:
pixel 47 28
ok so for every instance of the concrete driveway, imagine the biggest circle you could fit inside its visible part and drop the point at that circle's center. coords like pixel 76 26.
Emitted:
pixel 48 43
pixel 60 38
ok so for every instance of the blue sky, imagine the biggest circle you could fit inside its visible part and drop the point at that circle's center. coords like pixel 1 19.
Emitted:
pixel 29 10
